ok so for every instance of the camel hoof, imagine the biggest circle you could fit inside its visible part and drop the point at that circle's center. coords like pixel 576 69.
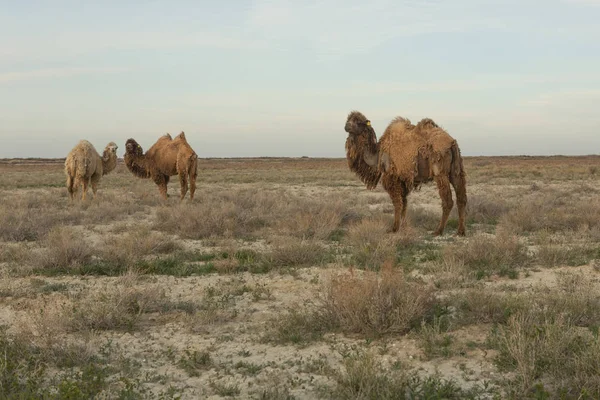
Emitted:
pixel 437 233
pixel 460 233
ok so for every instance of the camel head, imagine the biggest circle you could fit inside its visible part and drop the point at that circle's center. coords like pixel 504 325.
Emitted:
pixel 361 148
pixel 132 148
pixel 361 137
pixel 109 158
pixel 357 124
pixel 111 148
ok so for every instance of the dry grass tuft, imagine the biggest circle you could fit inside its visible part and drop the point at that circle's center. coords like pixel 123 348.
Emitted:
pixel 136 244
pixel 486 255
pixel 481 209
pixel 65 249
pixel 549 355
pixel 376 304
pixel 554 212
pixel 483 306
pixel 118 307
pixel 370 245
pixel 318 219
pixel 229 214
pixel 243 213
pixel 298 254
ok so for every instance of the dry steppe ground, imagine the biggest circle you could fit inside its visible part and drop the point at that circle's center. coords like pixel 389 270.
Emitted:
pixel 280 282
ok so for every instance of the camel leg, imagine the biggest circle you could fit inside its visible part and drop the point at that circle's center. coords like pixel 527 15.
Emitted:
pixel 443 185
pixel 460 188
pixel 162 189
pixel 95 179
pixel 192 178
pixel 398 194
pixel 162 181
pixel 85 182
pixel 183 183
pixel 70 182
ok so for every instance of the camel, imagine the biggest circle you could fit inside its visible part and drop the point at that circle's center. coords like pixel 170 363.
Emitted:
pixel 166 158
pixel 84 165
pixel 405 157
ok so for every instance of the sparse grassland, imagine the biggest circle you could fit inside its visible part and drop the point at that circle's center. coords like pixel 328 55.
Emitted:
pixel 280 282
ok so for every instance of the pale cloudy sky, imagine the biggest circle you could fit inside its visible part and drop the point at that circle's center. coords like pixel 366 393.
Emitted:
pixel 278 78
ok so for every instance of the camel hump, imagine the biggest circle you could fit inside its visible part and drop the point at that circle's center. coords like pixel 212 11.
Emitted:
pixel 427 123
pixel 401 120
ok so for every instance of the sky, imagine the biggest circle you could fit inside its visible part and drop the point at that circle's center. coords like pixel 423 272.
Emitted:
pixel 258 78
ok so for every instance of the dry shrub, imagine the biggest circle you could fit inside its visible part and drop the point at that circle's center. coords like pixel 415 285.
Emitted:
pixel 234 214
pixel 554 212
pixel 134 245
pixel 29 224
pixel 14 253
pixel 575 296
pixel 308 218
pixel 298 254
pixel 65 248
pixel 547 350
pixel 217 305
pixel 481 209
pixel 369 244
pixel 364 378
pixel 116 307
pixel 485 255
pixel 549 255
pixel 568 248
pixel 376 303
pixel 241 213
pixel 484 306
pixel 111 206
pixel 449 274
pixel 423 218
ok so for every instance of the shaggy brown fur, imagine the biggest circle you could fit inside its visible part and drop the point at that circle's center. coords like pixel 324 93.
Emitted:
pixel 405 157
pixel 84 166
pixel 166 158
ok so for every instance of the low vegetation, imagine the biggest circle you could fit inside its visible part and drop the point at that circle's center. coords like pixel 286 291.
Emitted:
pixel 280 281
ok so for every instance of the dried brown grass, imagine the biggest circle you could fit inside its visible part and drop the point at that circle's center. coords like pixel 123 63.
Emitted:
pixel 65 248
pixel 554 212
pixel 298 254
pixel 136 244
pixel 369 244
pixel 485 255
pixel 245 213
pixel 376 303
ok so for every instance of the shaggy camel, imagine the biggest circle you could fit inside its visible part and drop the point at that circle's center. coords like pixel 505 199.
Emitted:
pixel 84 166
pixel 405 157
pixel 166 158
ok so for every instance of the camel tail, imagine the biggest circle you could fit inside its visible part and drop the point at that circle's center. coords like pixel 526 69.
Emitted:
pixel 457 168
pixel 193 168
pixel 192 173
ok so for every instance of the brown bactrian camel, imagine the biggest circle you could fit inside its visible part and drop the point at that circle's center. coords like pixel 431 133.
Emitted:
pixel 405 157
pixel 166 158
pixel 84 166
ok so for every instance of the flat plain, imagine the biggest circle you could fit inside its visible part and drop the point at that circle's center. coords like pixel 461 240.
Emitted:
pixel 280 281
